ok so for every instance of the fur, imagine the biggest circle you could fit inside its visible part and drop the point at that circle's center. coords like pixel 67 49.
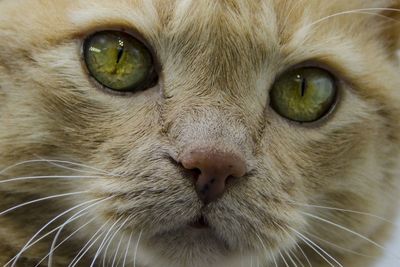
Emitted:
pixel 218 61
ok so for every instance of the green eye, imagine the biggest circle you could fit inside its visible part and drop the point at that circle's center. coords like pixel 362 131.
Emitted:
pixel 119 61
pixel 304 95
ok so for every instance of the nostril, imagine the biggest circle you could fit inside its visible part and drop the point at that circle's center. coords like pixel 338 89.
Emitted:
pixel 229 179
pixel 212 170
pixel 196 171
pixel 192 174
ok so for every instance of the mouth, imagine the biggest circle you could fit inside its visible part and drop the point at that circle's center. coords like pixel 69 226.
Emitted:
pixel 200 223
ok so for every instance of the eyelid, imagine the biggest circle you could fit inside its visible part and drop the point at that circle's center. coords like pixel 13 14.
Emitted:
pixel 340 84
pixel 135 35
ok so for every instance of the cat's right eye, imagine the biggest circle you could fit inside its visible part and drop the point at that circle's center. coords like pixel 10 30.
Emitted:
pixel 304 94
pixel 119 61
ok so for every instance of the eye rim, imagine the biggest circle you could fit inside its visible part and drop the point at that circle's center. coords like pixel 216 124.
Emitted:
pixel 339 92
pixel 157 74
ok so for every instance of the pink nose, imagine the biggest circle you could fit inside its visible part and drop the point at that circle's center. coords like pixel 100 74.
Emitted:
pixel 215 168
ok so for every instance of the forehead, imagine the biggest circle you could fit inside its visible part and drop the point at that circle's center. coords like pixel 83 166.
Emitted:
pixel 256 25
pixel 208 18
pixel 249 30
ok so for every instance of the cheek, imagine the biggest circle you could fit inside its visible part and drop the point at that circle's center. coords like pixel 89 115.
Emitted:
pixel 321 158
pixel 330 162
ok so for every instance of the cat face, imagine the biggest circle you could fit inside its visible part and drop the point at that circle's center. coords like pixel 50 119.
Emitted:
pixel 216 63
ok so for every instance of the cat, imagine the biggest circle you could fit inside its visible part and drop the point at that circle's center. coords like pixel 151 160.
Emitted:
pixel 184 133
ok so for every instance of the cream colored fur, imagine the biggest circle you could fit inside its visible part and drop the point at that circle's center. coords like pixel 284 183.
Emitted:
pixel 219 60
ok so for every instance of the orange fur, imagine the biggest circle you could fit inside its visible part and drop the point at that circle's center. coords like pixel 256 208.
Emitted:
pixel 219 59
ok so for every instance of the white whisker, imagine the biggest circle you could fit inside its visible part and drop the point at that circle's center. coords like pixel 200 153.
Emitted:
pixel 273 257
pixel 37 241
pixel 56 163
pixel 72 177
pixel 350 231
pixel 127 250
pixel 102 244
pixel 59 162
pixel 61 227
pixel 296 258
pixel 291 259
pixel 110 240
pixel 345 210
pixel 264 247
pixel 88 245
pixel 117 251
pixel 39 200
pixel 315 247
pixel 284 260
pixel 338 247
pixel 67 222
pixel 360 10
pixel 136 249
pixel 297 245
pixel 28 244
pixel 304 255
pixel 65 240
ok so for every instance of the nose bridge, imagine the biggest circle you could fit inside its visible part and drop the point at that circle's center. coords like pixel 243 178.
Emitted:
pixel 220 127
pixel 214 141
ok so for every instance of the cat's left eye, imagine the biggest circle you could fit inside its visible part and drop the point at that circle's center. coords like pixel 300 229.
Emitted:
pixel 119 61
pixel 304 94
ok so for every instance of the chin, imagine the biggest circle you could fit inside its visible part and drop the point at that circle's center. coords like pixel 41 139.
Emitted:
pixel 199 244
pixel 191 248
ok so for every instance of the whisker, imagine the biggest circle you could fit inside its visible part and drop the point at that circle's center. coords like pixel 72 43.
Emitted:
pixel 117 251
pixel 72 177
pixel 265 248
pixel 55 163
pixel 136 249
pixel 337 246
pixel 296 258
pixel 104 242
pixel 67 222
pixel 291 259
pixel 316 250
pixel 315 247
pixel 273 257
pixel 32 244
pixel 348 12
pixel 88 245
pixel 65 240
pixel 346 210
pixel 61 227
pixel 297 245
pixel 284 260
pixel 110 240
pixel 352 232
pixel 127 249
pixel 39 200
pixel 15 258
pixel 304 255
pixel 36 241
pixel 59 162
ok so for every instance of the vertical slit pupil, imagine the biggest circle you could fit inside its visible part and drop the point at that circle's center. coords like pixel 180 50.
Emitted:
pixel 120 50
pixel 303 86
